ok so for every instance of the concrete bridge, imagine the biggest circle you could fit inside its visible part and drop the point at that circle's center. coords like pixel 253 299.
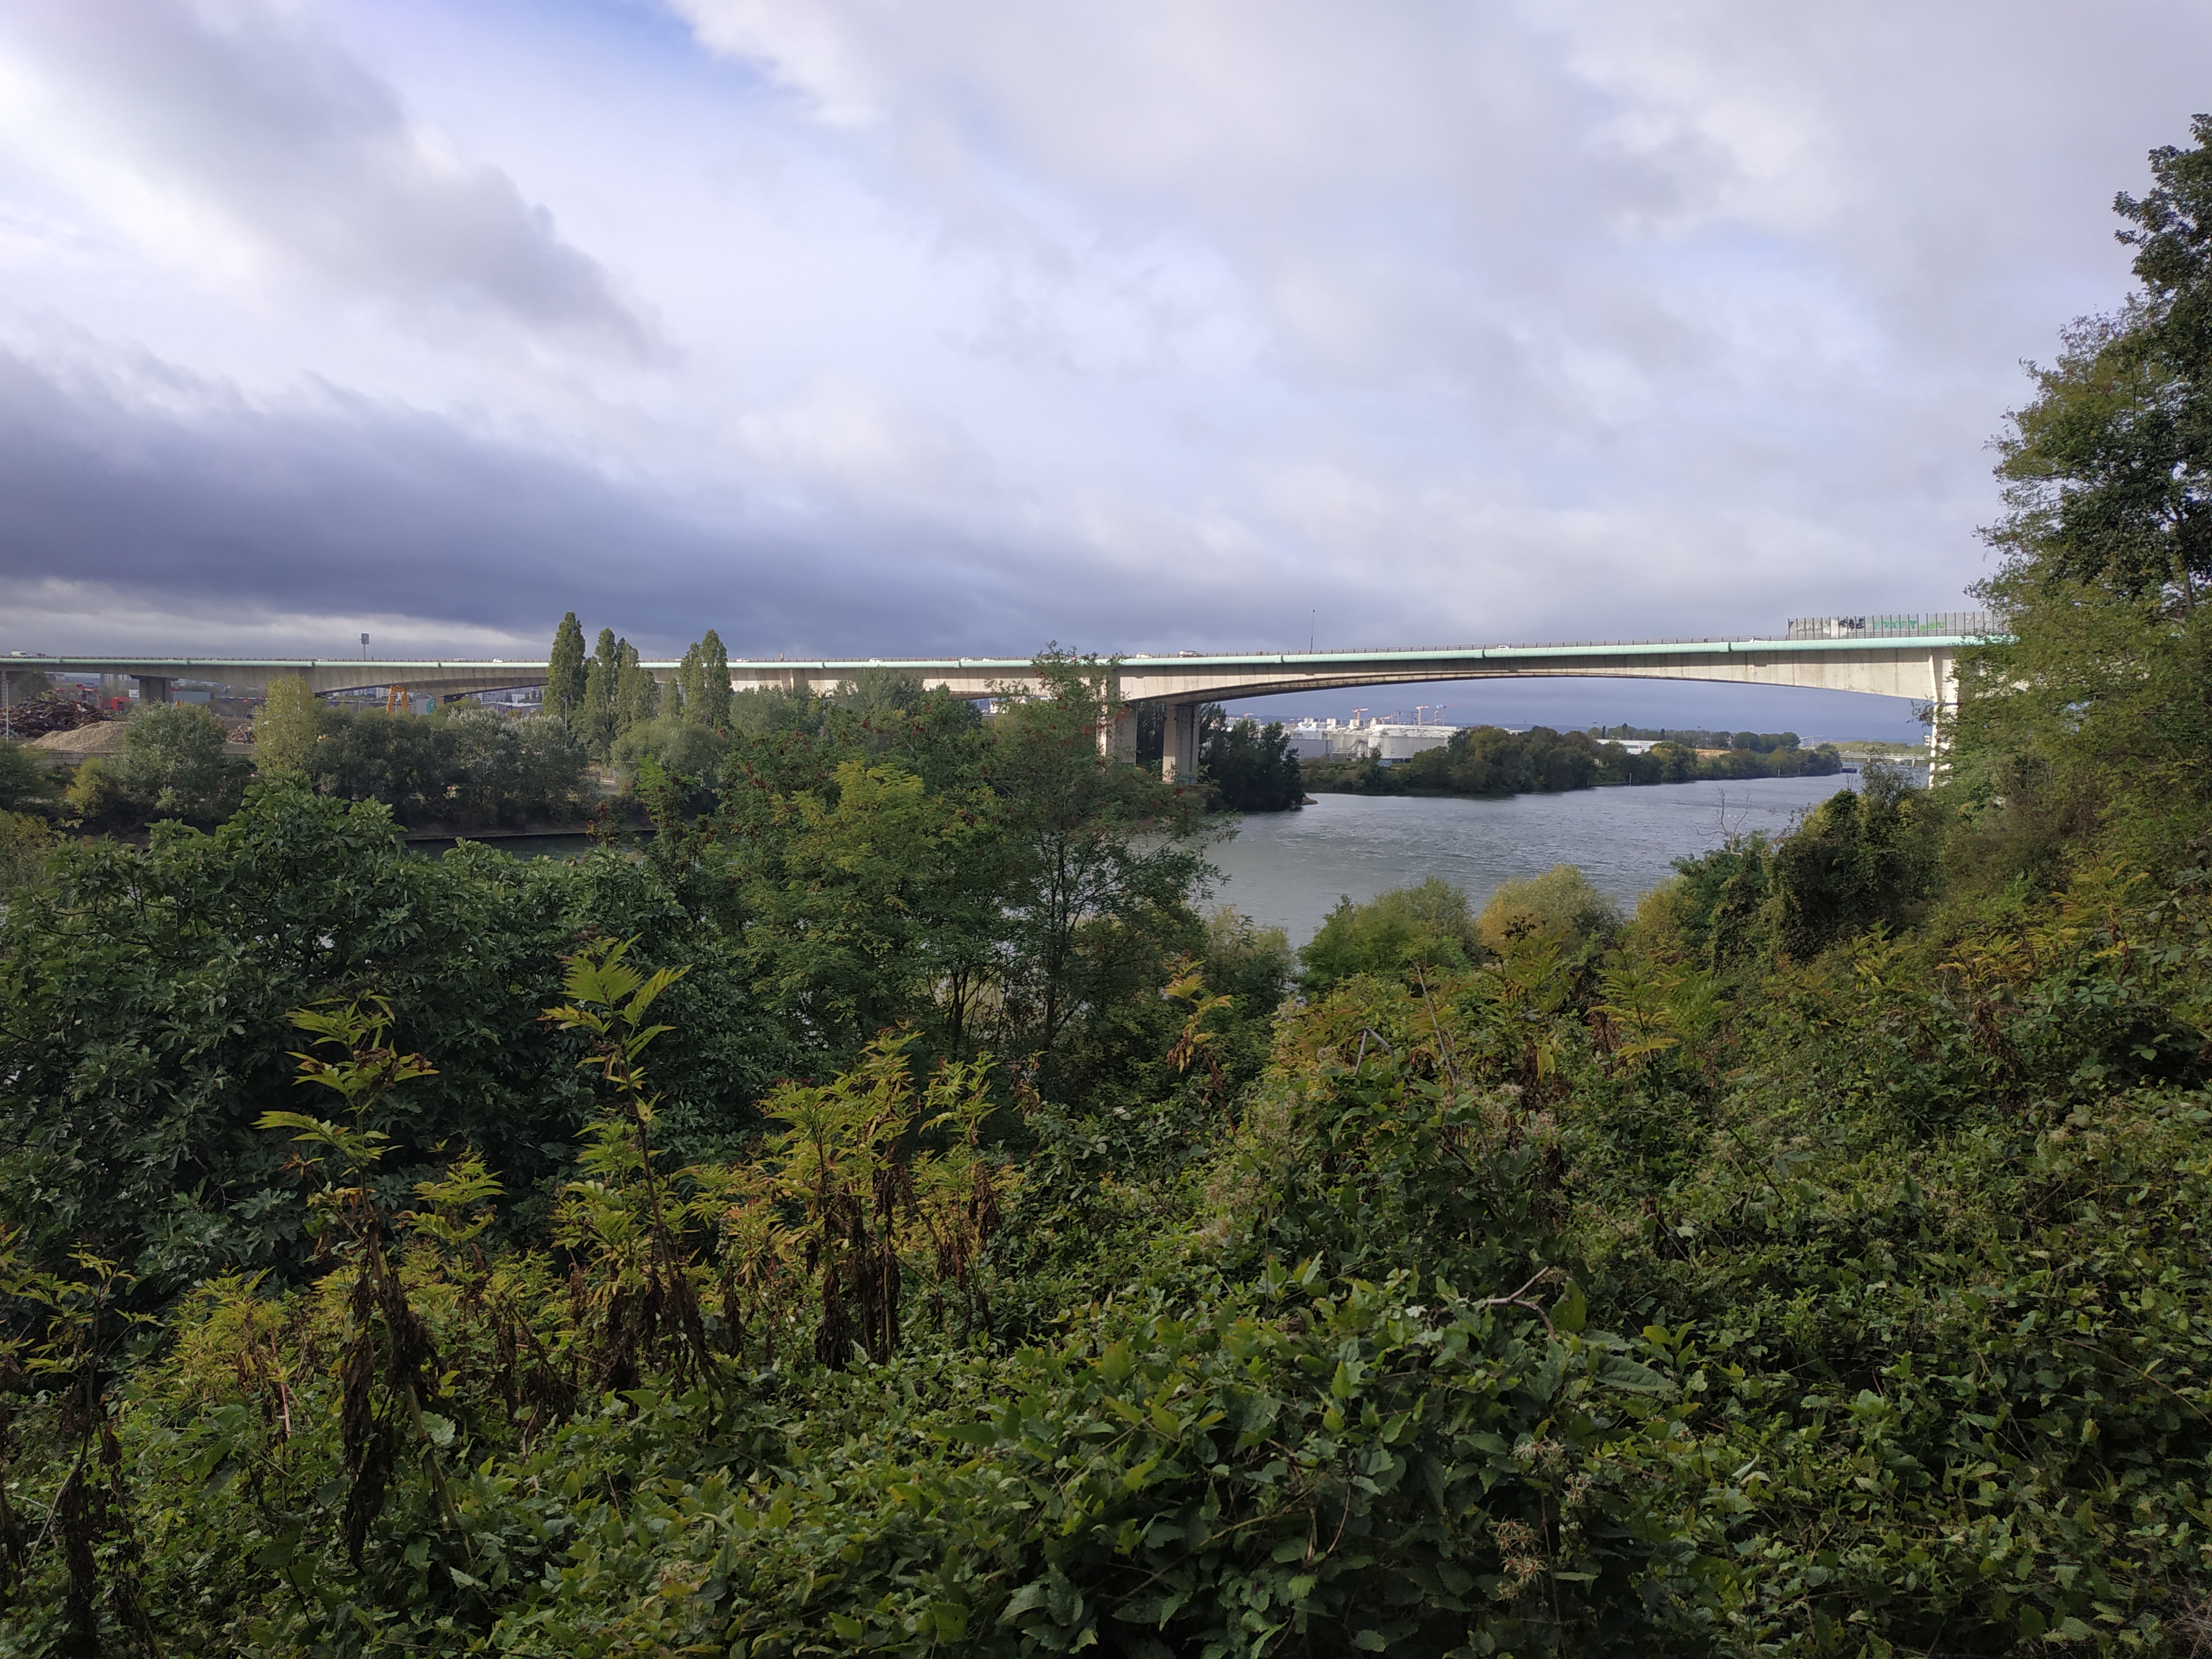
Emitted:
pixel 1895 656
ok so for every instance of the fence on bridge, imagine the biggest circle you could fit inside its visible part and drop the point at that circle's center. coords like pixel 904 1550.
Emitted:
pixel 1921 625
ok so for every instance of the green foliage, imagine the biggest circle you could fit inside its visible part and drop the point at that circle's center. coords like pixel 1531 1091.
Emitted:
pixel 1558 907
pixel 26 842
pixel 468 768
pixel 1487 760
pixel 144 998
pixel 1862 859
pixel 681 747
pixel 597 718
pixel 564 669
pixel 1407 927
pixel 287 727
pixel 2092 723
pixel 1250 769
pixel 709 704
pixel 23 781
pixel 95 798
pixel 171 764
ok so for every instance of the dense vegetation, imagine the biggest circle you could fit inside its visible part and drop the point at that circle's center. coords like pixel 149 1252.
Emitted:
pixel 884 1215
pixel 1247 767
pixel 1486 760
pixel 465 767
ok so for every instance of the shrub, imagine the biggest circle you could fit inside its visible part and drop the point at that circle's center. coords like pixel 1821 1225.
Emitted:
pixel 22 780
pixel 1428 925
pixel 682 748
pixel 24 842
pixel 1559 907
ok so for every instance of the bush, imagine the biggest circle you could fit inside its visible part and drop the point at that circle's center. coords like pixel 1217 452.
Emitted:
pixel 468 767
pixel 22 780
pixel 1862 857
pixel 1428 925
pixel 1559 907
pixel 682 748
pixel 24 844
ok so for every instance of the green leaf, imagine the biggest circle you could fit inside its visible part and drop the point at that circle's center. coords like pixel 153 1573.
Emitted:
pixel 1570 1312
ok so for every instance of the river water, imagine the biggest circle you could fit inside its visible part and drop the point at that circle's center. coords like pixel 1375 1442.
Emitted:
pixel 1286 869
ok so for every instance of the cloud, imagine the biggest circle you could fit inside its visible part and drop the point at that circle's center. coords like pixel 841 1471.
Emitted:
pixel 241 132
pixel 1142 326
pixel 135 498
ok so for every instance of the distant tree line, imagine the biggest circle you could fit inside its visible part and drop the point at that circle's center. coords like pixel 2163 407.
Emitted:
pixel 1758 743
pixel 1487 760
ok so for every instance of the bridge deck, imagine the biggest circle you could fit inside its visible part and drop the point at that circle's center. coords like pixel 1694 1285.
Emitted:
pixel 1143 677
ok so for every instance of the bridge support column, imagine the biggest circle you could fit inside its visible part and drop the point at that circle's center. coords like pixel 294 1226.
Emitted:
pixel 1179 758
pixel 152 688
pixel 1117 735
pixel 1943 709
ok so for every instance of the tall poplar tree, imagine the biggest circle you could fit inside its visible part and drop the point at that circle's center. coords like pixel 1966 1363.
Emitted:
pixel 564 668
pixel 713 706
pixel 687 679
pixel 638 696
pixel 602 687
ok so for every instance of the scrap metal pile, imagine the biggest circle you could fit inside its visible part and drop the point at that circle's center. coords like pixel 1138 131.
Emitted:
pixel 55 711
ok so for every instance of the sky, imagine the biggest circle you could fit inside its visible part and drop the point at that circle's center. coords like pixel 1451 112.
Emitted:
pixel 885 328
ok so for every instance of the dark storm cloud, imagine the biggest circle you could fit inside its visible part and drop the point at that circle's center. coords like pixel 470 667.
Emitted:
pixel 229 514
pixel 247 111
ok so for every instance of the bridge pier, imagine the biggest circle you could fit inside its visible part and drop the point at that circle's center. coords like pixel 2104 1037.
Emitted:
pixel 1117 735
pixel 1179 757
pixel 152 688
pixel 1943 706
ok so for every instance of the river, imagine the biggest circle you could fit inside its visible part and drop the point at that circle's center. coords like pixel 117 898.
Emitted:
pixel 1286 869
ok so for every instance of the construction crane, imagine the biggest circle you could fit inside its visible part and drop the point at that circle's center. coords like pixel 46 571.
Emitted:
pixel 395 700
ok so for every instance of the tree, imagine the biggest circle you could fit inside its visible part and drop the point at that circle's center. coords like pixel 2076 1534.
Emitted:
pixel 686 684
pixel 172 758
pixel 2109 468
pixel 1251 771
pixel 22 780
pixel 712 700
pixel 679 748
pixel 638 699
pixel 2096 713
pixel 287 727
pixel 1100 858
pixel 602 693
pixel 564 668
